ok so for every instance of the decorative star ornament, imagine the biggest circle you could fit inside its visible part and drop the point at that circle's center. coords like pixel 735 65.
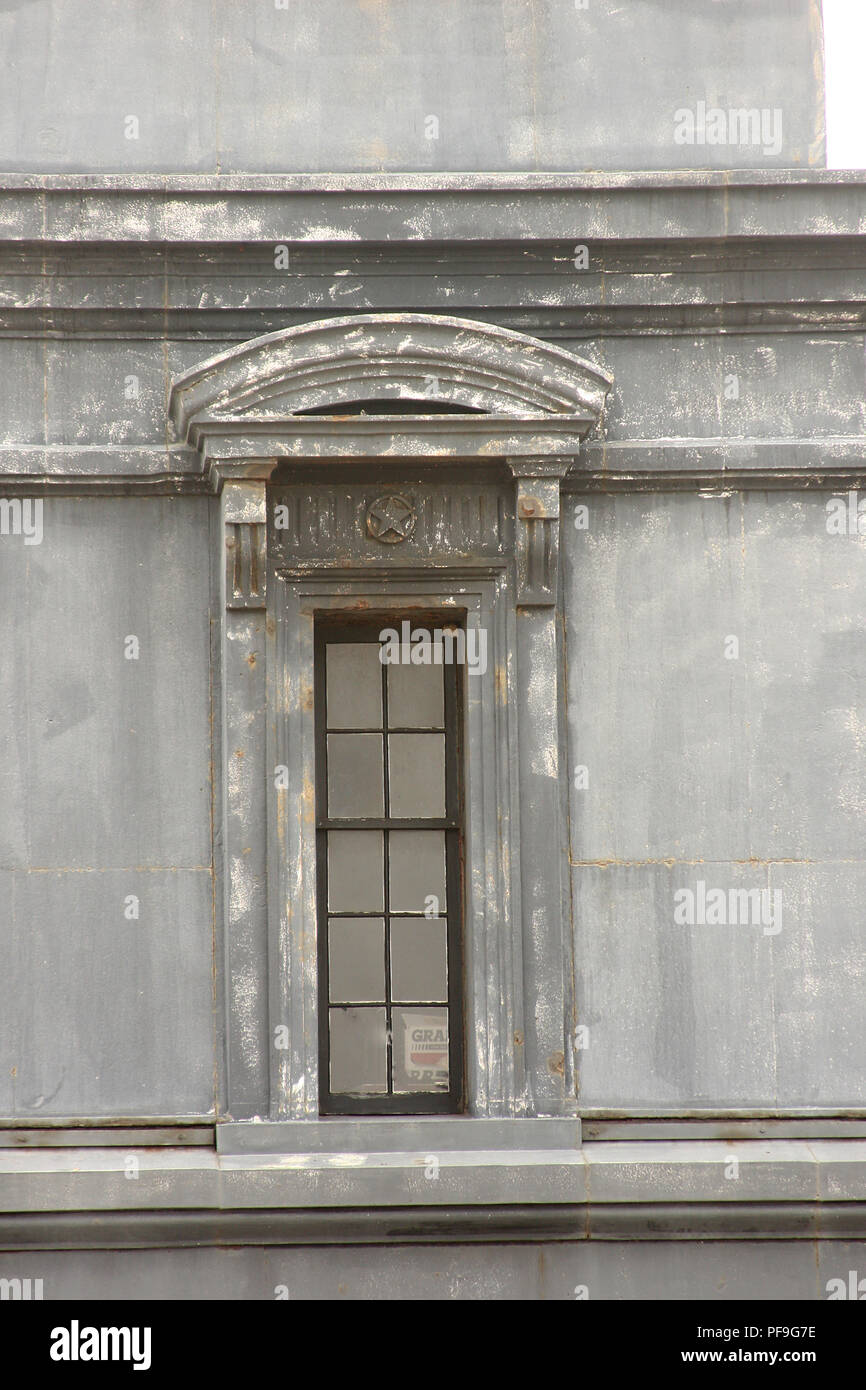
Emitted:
pixel 390 519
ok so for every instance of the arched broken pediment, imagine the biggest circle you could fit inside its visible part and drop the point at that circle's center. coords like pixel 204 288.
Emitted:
pixel 430 359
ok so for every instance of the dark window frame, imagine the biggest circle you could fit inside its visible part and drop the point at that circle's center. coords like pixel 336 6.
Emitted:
pixel 329 628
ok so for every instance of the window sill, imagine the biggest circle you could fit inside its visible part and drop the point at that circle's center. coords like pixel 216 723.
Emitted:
pixel 400 1134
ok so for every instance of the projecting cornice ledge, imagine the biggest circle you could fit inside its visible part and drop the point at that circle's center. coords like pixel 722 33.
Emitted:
pixel 295 209
pixel 79 1198
pixel 387 386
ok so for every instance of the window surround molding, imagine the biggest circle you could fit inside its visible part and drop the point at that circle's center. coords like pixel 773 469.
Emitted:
pixel 495 1081
pixel 507 407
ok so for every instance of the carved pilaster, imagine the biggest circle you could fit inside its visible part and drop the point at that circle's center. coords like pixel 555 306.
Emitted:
pixel 243 673
pixel 244 511
pixel 545 934
pixel 537 529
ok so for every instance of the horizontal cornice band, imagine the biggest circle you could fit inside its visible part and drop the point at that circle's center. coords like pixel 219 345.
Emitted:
pixel 418 207
pixel 613 465
pixel 451 1225
pixel 565 322
pixel 396 181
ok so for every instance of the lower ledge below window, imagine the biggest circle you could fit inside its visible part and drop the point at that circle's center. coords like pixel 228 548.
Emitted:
pixel 55 1199
pixel 401 1134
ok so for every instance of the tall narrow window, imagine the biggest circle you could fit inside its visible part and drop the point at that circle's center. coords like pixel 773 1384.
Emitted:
pixel 388 807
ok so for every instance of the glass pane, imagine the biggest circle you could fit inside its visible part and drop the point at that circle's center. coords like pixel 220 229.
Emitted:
pixel 355 775
pixel 418 959
pixel 355 860
pixel 359 1058
pixel 354 685
pixel 420 1050
pixel 417 865
pixel 356 961
pixel 416 765
pixel 415 697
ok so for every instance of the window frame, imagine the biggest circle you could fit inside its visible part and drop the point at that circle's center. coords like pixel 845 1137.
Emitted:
pixel 330 628
pixel 494 1060
pixel 487 502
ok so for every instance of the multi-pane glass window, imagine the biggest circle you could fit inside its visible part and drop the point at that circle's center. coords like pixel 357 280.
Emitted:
pixel 388 805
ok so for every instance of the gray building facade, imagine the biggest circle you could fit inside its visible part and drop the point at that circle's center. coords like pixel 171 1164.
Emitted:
pixel 543 318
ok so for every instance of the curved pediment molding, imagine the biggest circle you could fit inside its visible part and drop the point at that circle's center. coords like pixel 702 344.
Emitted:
pixel 478 371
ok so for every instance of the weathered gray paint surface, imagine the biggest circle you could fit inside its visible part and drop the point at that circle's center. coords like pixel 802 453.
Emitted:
pixel 742 773
pixel 260 127
pixel 692 758
pixel 687 1270
pixel 789 385
pixel 351 84
pixel 741 559
pixel 107 795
